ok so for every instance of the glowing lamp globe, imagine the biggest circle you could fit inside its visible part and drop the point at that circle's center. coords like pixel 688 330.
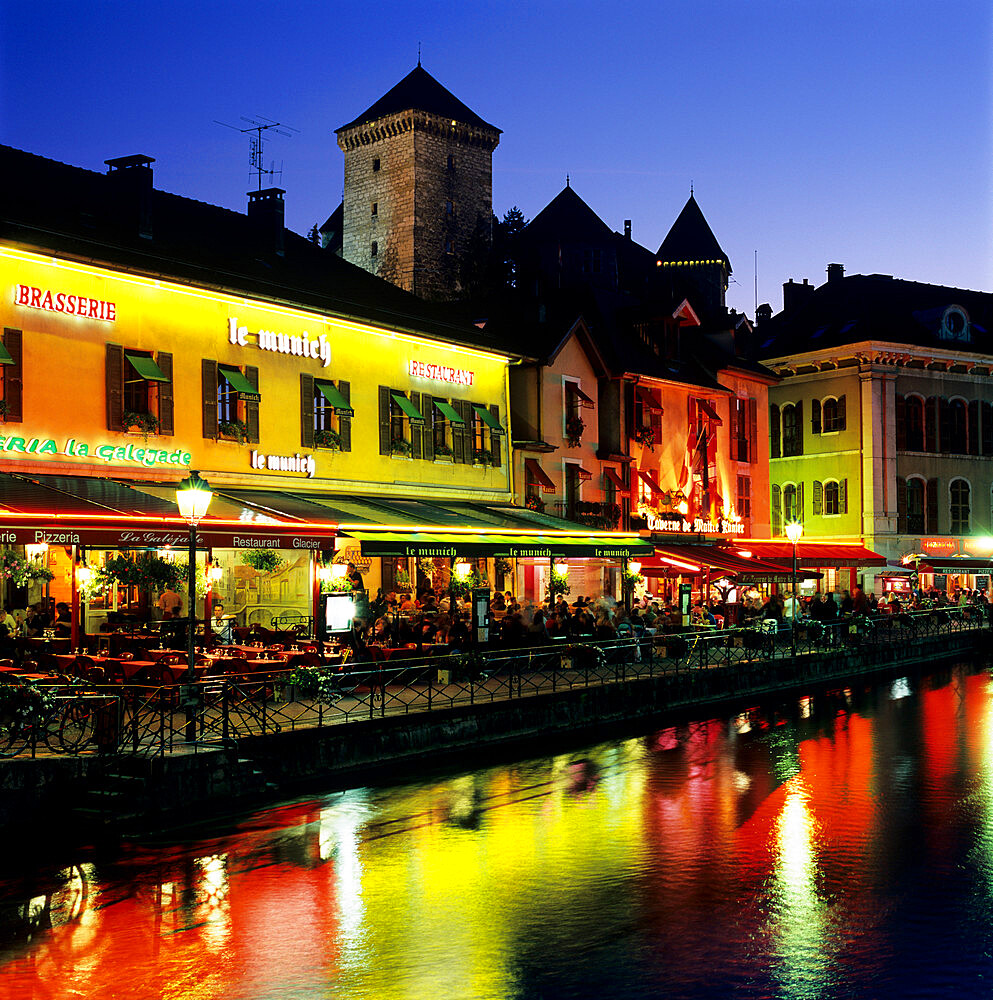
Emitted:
pixel 193 497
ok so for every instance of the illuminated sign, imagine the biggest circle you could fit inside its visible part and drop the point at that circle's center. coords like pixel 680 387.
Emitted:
pixel 111 454
pixel 299 345
pixel 673 523
pixel 440 373
pixel 164 538
pixel 61 302
pixel 940 546
pixel 285 463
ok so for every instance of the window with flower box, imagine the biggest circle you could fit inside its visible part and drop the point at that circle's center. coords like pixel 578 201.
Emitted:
pixel 139 390
pixel 230 401
pixel 325 413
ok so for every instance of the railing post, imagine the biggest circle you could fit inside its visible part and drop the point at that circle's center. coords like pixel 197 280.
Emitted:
pixel 225 722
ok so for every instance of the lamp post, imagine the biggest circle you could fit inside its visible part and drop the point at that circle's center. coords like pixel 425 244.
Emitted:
pixel 193 498
pixel 793 532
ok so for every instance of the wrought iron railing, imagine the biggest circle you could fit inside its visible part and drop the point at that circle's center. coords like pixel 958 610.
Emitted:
pixel 220 710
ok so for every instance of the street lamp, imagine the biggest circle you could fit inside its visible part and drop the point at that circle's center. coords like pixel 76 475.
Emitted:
pixel 193 499
pixel 794 531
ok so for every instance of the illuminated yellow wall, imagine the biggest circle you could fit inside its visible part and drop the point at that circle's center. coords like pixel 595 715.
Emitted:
pixel 65 395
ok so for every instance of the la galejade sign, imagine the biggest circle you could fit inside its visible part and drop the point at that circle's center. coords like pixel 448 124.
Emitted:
pixel 110 454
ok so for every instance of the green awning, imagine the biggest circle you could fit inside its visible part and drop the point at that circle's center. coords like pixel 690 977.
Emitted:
pixel 330 392
pixel 239 383
pixel 408 407
pixel 5 358
pixel 488 418
pixel 540 546
pixel 448 411
pixel 146 368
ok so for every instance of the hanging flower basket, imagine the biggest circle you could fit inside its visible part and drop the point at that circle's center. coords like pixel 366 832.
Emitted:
pixel 574 428
pixel 262 560
pixel 21 571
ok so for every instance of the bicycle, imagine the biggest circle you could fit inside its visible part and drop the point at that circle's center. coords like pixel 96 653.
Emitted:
pixel 32 717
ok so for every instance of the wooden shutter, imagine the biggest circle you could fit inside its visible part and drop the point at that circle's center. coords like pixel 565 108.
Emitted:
pixel 799 428
pixel 774 431
pixel 462 436
pixel 306 410
pixel 753 431
pixel 974 427
pixel 986 430
pixel 495 440
pixel 115 387
pixel 732 422
pixel 815 416
pixel 385 447
pixel 931 507
pixel 167 408
pixel 842 422
pixel 901 506
pixel 931 424
pixel 251 408
pixel 776 510
pixel 345 419
pixel 427 400
pixel 13 377
pixel 817 502
pixel 901 423
pixel 416 430
pixel 208 378
pixel 944 425
pixel 843 496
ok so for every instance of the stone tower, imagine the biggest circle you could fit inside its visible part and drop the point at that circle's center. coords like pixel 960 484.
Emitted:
pixel 418 182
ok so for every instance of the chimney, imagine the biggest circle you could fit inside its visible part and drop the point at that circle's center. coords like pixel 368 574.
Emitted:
pixel 795 295
pixel 265 212
pixel 835 272
pixel 131 180
pixel 627 229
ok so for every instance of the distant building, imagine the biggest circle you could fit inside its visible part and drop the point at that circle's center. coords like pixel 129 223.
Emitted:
pixel 882 424
pixel 418 191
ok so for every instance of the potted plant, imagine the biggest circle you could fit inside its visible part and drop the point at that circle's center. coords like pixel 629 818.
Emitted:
pixel 400 447
pixel 534 502
pixel 312 683
pixel 482 456
pixel 144 423
pixel 4 408
pixel 325 437
pixel 574 428
pixel 237 429
pixel 442 453
pixel 262 560
pixel 645 436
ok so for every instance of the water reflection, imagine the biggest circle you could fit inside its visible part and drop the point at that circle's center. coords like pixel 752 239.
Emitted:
pixel 834 846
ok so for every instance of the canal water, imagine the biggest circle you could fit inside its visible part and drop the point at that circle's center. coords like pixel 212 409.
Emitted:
pixel 837 846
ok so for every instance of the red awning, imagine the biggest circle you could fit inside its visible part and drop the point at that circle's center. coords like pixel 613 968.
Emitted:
pixel 669 559
pixel 645 395
pixel 584 400
pixel 650 480
pixel 615 477
pixel 709 410
pixel 811 554
pixel 537 475
pixel 584 476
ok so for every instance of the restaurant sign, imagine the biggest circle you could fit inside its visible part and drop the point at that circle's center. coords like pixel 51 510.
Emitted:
pixel 285 463
pixel 163 538
pixel 62 302
pixel 675 524
pixel 110 454
pixel 299 345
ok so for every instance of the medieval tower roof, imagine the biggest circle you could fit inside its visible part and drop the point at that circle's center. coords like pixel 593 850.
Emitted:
pixel 691 240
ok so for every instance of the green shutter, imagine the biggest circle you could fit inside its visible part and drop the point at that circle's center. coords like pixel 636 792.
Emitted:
pixel 818 499
pixel 416 429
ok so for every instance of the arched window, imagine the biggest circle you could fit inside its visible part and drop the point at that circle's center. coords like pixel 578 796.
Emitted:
pixel 833 414
pixel 915 506
pixel 792 503
pixel 959 420
pixel 832 494
pixel 915 423
pixel 959 491
pixel 792 418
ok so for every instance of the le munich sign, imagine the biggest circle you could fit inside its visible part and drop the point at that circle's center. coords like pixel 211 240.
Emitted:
pixel 298 345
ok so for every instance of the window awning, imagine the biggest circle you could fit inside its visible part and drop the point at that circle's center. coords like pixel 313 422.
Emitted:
pixel 648 399
pixel 584 400
pixel 615 477
pixel 451 544
pixel 239 383
pixel 448 411
pixel 5 358
pixel 954 565
pixel 330 392
pixel 650 480
pixel 146 368
pixel 709 410
pixel 488 418
pixel 812 553
pixel 537 475
pixel 579 472
pixel 407 407
pixel 669 560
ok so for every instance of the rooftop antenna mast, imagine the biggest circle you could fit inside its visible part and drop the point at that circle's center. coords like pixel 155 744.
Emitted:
pixel 260 125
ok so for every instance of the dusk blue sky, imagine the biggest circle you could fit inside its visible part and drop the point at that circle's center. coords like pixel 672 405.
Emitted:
pixel 855 132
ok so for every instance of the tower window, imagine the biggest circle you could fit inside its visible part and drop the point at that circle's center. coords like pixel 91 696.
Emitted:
pixel 451 162
pixel 374 249
pixel 449 209
pixel 449 246
pixel 375 209
pixel 375 164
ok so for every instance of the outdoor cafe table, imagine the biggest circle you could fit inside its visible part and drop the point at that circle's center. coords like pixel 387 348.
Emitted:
pixel 130 668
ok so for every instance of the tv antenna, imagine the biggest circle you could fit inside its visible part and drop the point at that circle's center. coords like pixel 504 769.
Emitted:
pixel 260 125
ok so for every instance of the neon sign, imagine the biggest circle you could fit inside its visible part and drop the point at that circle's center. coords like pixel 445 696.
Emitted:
pixel 111 454
pixel 60 302
pixel 440 373
pixel 285 463
pixel 675 523
pixel 300 345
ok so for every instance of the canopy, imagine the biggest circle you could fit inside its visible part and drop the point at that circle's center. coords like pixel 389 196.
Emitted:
pixel 810 553
pixel 146 367
pixel 672 560
pixel 954 564
pixel 330 392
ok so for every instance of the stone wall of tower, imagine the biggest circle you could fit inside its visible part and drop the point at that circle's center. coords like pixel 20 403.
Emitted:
pixel 426 164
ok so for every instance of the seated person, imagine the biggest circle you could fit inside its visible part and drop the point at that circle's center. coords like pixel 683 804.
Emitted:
pixel 63 619
pixel 220 623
